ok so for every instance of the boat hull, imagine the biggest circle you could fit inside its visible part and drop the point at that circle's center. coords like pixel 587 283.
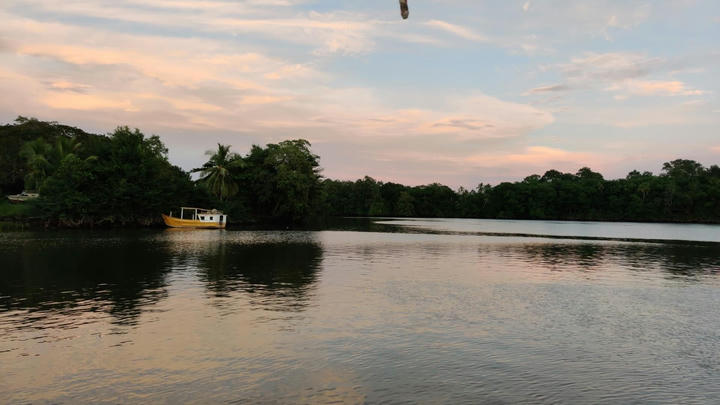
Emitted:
pixel 189 223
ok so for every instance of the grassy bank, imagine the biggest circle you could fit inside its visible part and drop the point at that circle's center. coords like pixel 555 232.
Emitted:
pixel 15 212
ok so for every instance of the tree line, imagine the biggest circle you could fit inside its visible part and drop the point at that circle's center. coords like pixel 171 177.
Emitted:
pixel 684 191
pixel 125 178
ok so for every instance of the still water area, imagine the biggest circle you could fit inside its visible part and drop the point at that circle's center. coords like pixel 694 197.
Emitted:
pixel 364 311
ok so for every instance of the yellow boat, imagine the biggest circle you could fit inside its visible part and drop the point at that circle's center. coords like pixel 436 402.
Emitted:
pixel 199 218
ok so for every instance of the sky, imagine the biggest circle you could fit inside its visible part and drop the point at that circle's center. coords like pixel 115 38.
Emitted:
pixel 461 93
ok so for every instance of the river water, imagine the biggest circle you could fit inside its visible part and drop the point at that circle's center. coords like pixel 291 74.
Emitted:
pixel 369 311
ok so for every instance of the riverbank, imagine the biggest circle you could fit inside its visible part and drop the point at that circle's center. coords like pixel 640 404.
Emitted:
pixel 28 216
pixel 14 217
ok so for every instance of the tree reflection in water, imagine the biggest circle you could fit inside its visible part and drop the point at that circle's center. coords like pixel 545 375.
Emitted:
pixel 77 275
pixel 687 261
pixel 275 276
pixel 121 276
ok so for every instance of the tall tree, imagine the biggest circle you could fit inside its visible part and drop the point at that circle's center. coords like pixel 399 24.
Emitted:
pixel 38 157
pixel 14 165
pixel 282 181
pixel 217 172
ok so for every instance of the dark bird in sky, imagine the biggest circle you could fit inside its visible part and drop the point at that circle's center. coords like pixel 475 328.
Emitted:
pixel 404 11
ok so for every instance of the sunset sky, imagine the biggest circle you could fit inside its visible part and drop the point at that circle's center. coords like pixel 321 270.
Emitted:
pixel 462 92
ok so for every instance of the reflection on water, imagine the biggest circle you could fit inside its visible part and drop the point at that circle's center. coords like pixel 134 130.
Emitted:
pixel 274 275
pixel 273 270
pixel 73 276
pixel 687 261
pixel 354 317
pixel 122 276
pixel 561 229
pixel 285 270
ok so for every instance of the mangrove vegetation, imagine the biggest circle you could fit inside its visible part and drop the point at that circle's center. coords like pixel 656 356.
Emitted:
pixel 125 178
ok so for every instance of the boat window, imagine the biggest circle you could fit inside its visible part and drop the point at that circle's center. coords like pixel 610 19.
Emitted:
pixel 211 218
pixel 202 217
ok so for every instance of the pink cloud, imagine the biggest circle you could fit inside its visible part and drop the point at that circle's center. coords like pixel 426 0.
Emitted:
pixel 73 101
pixel 656 87
pixel 534 156
pixel 69 86
pixel 527 158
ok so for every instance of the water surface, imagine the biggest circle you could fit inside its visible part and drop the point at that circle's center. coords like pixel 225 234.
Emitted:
pixel 409 315
pixel 575 229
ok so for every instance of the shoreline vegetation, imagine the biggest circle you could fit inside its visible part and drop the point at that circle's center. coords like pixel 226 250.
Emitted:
pixel 124 178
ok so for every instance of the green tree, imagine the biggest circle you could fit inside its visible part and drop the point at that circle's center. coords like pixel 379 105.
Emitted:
pixel 405 206
pixel 127 180
pixel 282 182
pixel 43 159
pixel 217 174
pixel 37 155
pixel 67 196
pixel 13 165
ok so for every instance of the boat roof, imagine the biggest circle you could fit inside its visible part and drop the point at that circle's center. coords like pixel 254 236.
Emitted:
pixel 214 211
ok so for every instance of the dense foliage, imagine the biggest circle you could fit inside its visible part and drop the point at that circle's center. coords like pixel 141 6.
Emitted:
pixel 685 191
pixel 278 183
pixel 14 137
pixel 125 178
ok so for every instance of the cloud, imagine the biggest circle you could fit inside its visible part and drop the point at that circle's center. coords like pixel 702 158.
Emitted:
pixel 526 44
pixel 608 66
pixel 467 124
pixel 654 88
pixel 579 20
pixel 670 116
pixel 186 62
pixel 549 89
pixel 343 33
pixel 173 85
pixel 694 103
pixel 4 45
pixel 715 149
pixel 86 102
pixel 468 119
pixel 332 32
pixel 626 74
pixel 519 163
pixel 63 85
pixel 534 156
pixel 457 30
pixel 318 33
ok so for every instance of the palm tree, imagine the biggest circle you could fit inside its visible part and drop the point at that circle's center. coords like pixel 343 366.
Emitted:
pixel 43 158
pixel 65 147
pixel 37 154
pixel 217 172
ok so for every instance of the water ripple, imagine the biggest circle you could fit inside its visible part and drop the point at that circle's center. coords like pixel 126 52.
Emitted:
pixel 356 317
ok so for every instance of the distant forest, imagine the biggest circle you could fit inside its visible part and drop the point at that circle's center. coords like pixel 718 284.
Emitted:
pixel 125 178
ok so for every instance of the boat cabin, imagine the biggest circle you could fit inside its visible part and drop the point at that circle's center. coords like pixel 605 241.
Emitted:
pixel 202 215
